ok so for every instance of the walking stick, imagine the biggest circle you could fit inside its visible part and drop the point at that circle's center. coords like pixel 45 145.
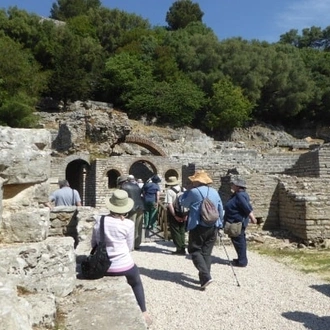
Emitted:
pixel 231 265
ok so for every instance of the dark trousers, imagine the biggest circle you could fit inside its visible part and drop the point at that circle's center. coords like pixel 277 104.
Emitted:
pixel 178 230
pixel 137 217
pixel 150 215
pixel 200 246
pixel 134 280
pixel 239 243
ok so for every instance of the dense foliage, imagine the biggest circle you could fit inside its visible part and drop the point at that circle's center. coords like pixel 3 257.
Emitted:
pixel 179 74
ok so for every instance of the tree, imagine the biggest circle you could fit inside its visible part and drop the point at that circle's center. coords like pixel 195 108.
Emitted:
pixel 183 12
pixel 112 26
pixel 228 107
pixel 77 65
pixel 21 84
pixel 65 9
pixel 175 104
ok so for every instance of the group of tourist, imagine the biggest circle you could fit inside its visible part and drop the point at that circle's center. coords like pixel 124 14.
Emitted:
pixel 130 204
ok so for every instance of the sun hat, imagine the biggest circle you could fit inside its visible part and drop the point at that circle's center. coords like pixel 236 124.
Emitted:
pixel 156 179
pixel 200 176
pixel 121 179
pixel 119 202
pixel 239 182
pixel 172 181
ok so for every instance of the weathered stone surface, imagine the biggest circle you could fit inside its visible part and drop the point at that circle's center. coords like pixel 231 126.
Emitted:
pixel 48 266
pixel 15 312
pixel 107 303
pixel 24 225
pixel 24 156
pixel 43 306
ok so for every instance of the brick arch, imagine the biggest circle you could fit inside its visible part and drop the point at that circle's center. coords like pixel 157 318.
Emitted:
pixel 146 144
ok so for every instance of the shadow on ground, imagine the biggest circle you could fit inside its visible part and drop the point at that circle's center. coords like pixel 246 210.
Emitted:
pixel 174 277
pixel 323 288
pixel 309 320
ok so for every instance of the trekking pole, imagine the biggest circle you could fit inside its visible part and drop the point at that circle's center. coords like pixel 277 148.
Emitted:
pixel 220 235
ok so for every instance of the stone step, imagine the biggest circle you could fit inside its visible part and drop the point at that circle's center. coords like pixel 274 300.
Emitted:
pixel 106 303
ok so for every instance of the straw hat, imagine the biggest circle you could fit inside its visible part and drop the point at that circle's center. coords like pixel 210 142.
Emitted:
pixel 119 202
pixel 172 181
pixel 239 182
pixel 200 176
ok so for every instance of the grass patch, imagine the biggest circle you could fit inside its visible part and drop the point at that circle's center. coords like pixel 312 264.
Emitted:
pixel 310 261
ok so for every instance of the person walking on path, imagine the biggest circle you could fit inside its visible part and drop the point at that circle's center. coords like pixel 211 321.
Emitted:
pixel 136 214
pixel 119 239
pixel 151 194
pixel 64 196
pixel 177 223
pixel 202 236
pixel 239 209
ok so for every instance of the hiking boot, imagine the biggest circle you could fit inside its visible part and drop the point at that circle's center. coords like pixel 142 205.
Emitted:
pixel 235 263
pixel 181 252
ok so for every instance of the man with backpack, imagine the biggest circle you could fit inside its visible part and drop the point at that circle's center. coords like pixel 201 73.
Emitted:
pixel 204 221
pixel 176 215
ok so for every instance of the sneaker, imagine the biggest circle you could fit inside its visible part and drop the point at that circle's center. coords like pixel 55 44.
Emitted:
pixel 204 285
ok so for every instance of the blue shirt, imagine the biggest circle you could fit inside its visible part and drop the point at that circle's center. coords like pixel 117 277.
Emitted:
pixel 238 208
pixel 150 190
pixel 193 200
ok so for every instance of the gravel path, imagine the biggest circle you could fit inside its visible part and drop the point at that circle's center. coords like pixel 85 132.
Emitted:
pixel 270 296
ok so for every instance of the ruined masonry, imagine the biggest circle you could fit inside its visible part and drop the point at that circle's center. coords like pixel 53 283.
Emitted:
pixel 92 144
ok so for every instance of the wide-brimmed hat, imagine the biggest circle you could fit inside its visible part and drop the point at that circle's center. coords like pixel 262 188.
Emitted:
pixel 119 202
pixel 200 176
pixel 121 179
pixel 172 181
pixel 239 182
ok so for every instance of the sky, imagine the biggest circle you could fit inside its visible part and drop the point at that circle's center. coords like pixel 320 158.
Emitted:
pixel 264 20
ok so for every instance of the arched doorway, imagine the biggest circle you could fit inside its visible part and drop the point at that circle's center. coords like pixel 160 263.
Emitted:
pixel 112 178
pixel 76 173
pixel 143 169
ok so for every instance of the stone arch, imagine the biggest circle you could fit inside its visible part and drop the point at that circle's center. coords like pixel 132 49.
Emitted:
pixel 112 175
pixel 171 172
pixel 152 147
pixel 142 169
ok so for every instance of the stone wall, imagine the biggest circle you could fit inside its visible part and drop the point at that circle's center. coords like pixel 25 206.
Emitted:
pixel 304 207
pixel 34 268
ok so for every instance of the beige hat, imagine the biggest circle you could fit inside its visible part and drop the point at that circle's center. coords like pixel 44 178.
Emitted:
pixel 172 181
pixel 239 182
pixel 200 176
pixel 119 202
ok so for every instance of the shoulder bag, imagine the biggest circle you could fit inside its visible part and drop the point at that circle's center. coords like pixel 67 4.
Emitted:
pixel 98 262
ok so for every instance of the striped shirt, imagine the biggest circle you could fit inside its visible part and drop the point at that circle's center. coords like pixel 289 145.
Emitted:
pixel 119 239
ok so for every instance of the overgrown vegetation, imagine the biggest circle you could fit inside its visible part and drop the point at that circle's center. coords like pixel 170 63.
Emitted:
pixel 179 74
pixel 310 261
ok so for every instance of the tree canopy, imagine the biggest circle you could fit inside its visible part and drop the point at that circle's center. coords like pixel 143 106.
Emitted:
pixel 179 74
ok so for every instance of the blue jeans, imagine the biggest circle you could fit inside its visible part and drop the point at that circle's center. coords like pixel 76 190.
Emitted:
pixel 239 243
pixel 200 246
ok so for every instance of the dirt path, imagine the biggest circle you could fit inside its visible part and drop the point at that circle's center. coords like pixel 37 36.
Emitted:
pixel 270 296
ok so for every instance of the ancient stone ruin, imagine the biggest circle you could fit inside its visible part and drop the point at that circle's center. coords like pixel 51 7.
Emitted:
pixel 91 145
